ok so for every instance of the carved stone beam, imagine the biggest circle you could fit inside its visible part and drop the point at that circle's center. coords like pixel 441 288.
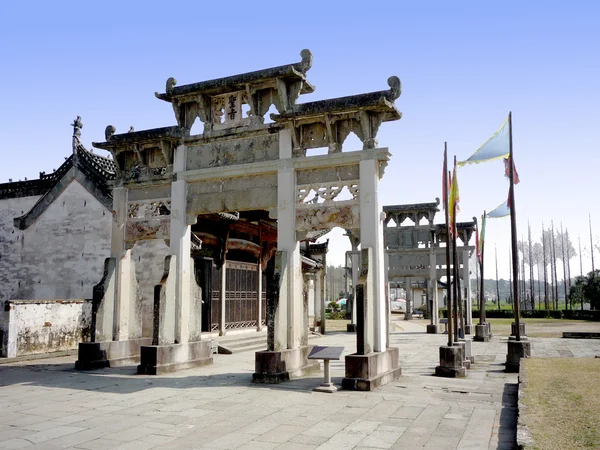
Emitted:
pixel 138 154
pixel 297 149
pixel 190 112
pixel 281 99
pixel 332 135
pixel 179 113
pixel 165 149
pixel 294 90
pixel 205 112
pixel 370 122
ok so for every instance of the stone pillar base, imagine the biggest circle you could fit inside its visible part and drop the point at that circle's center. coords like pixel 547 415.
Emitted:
pixel 513 329
pixel 516 351
pixel 351 328
pixel 432 329
pixel 451 362
pixel 463 344
pixel 368 372
pixel 468 352
pixel 468 329
pixel 276 366
pixel 96 355
pixel 481 333
pixel 159 359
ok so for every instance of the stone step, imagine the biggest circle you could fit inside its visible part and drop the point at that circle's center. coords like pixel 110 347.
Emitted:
pixel 228 349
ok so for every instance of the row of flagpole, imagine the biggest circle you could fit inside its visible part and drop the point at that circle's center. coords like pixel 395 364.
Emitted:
pixel 500 145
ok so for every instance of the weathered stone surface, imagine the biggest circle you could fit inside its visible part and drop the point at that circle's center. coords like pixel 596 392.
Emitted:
pixel 96 355
pixel 516 351
pixel 277 366
pixel 159 359
pixel 44 326
pixel 367 372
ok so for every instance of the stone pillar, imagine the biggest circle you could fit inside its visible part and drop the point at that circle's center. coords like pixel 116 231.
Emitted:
pixel 310 286
pixel 259 297
pixel 432 294
pixel 223 298
pixel 355 265
pixel 180 346
pixel 373 364
pixel 117 304
pixel 123 266
pixel 371 236
pixel 180 241
pixel 409 298
pixel 320 298
pixel 467 292
pixel 288 359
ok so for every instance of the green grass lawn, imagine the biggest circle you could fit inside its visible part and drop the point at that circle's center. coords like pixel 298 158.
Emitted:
pixel 562 402
pixel 542 327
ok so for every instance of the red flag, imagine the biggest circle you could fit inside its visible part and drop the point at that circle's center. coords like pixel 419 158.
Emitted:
pixel 507 171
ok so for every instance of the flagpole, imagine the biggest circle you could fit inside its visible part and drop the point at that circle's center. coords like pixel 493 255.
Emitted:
pixel 513 232
pixel 482 302
pixel 497 282
pixel 454 263
pixel 477 246
pixel 448 284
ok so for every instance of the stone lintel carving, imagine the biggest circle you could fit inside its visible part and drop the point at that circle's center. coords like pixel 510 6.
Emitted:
pixel 327 123
pixel 326 218
pixel 142 154
pixel 327 191
pixel 145 229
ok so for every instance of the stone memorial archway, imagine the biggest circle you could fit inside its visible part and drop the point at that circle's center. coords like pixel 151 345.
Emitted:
pixel 167 177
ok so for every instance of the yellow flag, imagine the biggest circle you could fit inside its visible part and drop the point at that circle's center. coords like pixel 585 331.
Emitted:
pixel 454 199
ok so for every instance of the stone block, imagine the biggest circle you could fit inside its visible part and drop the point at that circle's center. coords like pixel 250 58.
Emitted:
pixel 481 333
pixel 513 329
pixel 468 328
pixel 468 351
pixel 96 355
pixel 159 359
pixel 432 328
pixel 277 366
pixel 516 351
pixel 451 362
pixel 368 372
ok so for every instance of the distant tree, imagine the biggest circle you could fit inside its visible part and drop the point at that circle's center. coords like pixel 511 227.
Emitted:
pixel 576 292
pixel 586 289
pixel 591 289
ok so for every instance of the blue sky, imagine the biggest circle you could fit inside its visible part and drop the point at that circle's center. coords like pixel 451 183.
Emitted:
pixel 463 66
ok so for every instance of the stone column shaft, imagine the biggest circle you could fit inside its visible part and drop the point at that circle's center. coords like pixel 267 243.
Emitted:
pixel 289 319
pixel 223 299
pixel 180 242
pixel 433 285
pixel 371 237
pixel 467 288
pixel 122 285
pixel 259 297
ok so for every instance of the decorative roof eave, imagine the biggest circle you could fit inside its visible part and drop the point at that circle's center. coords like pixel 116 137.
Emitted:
pixel 74 173
pixel 28 188
pixel 414 207
pixel 380 101
pixel 118 142
pixel 291 72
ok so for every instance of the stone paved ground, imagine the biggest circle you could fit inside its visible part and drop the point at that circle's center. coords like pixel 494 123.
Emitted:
pixel 46 404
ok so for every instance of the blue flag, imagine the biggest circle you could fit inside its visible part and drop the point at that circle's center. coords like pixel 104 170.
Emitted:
pixel 496 147
pixel 501 211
